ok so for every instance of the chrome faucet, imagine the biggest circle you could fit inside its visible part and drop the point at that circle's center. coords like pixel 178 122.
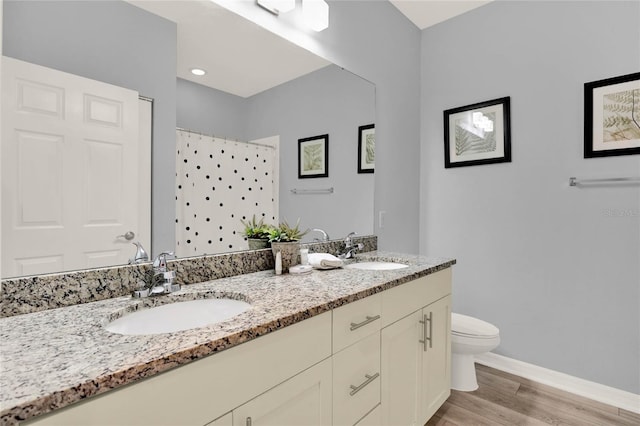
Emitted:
pixel 325 236
pixel 349 248
pixel 161 279
pixel 141 254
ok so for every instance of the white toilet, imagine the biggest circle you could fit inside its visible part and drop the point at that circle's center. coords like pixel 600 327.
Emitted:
pixel 469 336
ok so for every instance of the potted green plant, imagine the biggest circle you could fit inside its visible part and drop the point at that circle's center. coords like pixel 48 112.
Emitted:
pixel 286 240
pixel 256 232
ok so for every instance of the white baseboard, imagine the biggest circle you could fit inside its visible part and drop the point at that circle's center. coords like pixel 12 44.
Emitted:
pixel 602 393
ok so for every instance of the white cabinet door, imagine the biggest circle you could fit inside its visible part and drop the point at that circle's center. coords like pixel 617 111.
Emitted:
pixel 304 399
pixel 401 371
pixel 436 357
pixel 70 162
pixel 226 420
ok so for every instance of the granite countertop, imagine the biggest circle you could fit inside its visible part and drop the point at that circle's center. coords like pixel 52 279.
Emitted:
pixel 53 358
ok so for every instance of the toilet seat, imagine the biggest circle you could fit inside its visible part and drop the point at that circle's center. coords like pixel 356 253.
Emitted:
pixel 465 326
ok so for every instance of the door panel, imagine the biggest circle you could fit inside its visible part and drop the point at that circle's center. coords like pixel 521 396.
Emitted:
pixel 40 180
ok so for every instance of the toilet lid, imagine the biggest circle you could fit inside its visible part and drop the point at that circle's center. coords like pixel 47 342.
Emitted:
pixel 470 326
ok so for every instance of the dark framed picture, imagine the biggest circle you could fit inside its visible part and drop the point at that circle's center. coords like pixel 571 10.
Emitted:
pixel 313 157
pixel 367 148
pixel 478 134
pixel 612 116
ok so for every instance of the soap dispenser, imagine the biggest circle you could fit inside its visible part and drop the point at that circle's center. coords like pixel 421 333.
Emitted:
pixel 278 263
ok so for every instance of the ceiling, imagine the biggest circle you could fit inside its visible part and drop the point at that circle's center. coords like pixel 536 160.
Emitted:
pixel 244 59
pixel 239 56
pixel 425 13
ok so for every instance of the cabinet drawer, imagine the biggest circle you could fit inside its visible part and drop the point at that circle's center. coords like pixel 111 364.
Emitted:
pixel 356 380
pixel 400 301
pixel 374 418
pixel 356 320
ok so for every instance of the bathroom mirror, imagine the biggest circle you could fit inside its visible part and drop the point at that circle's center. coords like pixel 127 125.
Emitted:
pixel 302 113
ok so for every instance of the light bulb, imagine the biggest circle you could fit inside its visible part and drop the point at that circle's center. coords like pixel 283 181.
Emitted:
pixel 315 14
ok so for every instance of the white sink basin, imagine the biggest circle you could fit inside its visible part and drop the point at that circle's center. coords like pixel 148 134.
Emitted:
pixel 376 266
pixel 177 316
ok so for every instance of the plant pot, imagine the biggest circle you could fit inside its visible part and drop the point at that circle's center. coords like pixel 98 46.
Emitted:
pixel 258 243
pixel 290 252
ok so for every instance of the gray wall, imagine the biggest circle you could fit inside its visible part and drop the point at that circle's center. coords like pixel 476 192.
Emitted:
pixel 328 101
pixel 210 111
pixel 374 40
pixel 546 263
pixel 119 44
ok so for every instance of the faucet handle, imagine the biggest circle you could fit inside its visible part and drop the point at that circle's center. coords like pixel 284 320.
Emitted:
pixel 347 240
pixel 141 254
pixel 161 260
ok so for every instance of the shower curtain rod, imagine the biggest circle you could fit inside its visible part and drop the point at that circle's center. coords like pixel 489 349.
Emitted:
pixel 225 138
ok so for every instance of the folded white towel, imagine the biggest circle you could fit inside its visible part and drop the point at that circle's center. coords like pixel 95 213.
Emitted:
pixel 324 261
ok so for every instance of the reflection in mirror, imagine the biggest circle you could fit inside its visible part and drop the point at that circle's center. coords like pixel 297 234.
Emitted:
pixel 327 101
pixel 123 45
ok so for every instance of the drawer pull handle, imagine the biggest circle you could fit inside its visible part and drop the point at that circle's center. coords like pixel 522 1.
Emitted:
pixel 248 421
pixel 369 319
pixel 356 389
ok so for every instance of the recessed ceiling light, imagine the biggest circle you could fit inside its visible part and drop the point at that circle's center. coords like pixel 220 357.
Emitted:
pixel 198 71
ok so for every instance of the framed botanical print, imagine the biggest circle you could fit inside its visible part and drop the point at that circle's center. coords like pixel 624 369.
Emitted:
pixel 367 148
pixel 313 157
pixel 477 134
pixel 612 116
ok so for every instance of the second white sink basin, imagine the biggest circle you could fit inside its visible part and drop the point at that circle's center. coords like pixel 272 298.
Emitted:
pixel 177 316
pixel 377 266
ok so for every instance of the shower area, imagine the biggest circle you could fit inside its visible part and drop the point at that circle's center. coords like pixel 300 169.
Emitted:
pixel 220 182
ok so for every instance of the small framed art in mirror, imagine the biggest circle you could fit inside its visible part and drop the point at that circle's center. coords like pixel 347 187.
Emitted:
pixel 313 157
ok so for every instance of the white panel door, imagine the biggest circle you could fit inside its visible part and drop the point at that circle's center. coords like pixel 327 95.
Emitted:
pixel 69 170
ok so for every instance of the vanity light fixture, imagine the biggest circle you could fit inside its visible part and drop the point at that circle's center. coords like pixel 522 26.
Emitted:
pixel 277 6
pixel 198 71
pixel 315 14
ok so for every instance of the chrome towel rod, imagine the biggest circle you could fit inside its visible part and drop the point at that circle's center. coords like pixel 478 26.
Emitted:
pixel 312 191
pixel 574 181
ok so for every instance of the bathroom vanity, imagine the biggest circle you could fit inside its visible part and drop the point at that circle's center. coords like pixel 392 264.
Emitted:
pixel 338 347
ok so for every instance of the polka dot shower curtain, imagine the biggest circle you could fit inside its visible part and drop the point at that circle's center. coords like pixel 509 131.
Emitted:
pixel 219 182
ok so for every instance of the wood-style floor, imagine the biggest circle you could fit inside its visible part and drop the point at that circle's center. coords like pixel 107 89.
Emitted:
pixel 505 399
